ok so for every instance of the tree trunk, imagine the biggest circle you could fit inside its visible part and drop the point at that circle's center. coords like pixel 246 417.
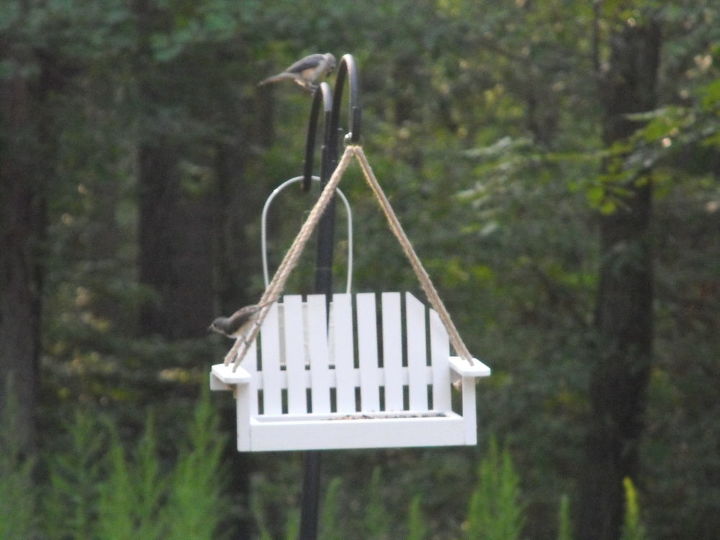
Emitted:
pixel 234 265
pixel 175 228
pixel 624 318
pixel 175 234
pixel 21 210
pixel 27 143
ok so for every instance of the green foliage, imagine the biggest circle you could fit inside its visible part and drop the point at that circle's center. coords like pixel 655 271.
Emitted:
pixel 99 489
pixel 633 529
pixel 495 511
pixel 150 484
pixel 132 496
pixel 196 506
pixel 331 519
pixel 118 503
pixel 76 475
pixel 18 503
pixel 292 525
pixel 564 523
pixel 259 516
pixel 417 529
pixel 378 519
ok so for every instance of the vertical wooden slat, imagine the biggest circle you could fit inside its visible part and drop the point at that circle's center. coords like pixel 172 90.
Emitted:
pixel 318 347
pixel 439 355
pixel 295 354
pixel 417 353
pixel 271 376
pixel 392 351
pixel 368 352
pixel 343 352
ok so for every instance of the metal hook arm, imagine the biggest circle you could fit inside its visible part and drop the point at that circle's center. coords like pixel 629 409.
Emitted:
pixel 331 105
pixel 347 70
pixel 263 230
pixel 322 96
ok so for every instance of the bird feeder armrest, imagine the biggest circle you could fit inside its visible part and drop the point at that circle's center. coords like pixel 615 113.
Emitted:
pixel 222 377
pixel 461 368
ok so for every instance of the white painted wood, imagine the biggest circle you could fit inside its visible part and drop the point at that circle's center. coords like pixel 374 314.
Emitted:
pixel 439 353
pixel 368 352
pixel 354 377
pixel 468 409
pixel 271 380
pixel 464 369
pixel 250 365
pixel 392 351
pixel 217 384
pixel 343 353
pixel 294 355
pixel 243 399
pixel 226 376
pixel 299 338
pixel 318 349
pixel 417 352
pixel 292 434
pixel 240 381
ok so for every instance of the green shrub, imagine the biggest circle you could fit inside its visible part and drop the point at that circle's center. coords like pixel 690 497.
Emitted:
pixel 564 524
pixel 417 530
pixel 330 520
pixel 118 502
pixel 377 518
pixel 633 528
pixel 74 464
pixel 17 494
pixel 495 511
pixel 195 506
pixel 100 488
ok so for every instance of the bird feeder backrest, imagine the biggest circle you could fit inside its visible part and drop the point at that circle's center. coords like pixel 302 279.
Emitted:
pixel 309 364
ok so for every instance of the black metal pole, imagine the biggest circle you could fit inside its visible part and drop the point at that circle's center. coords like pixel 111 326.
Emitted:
pixel 310 502
pixel 332 103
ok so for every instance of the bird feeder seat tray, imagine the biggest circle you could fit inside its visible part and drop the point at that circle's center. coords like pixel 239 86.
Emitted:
pixel 374 374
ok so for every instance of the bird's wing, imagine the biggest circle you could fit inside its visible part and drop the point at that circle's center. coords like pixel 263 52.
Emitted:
pixel 309 62
pixel 245 311
pixel 279 77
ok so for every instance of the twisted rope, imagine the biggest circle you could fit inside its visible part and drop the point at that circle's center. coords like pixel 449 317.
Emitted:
pixel 289 262
pixel 422 275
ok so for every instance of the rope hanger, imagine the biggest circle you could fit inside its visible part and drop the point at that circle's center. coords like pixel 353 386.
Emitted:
pixel 275 288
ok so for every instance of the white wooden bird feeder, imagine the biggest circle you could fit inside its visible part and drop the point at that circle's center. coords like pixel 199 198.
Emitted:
pixel 375 371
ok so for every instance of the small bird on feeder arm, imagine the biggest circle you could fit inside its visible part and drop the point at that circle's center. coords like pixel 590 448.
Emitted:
pixel 305 71
pixel 237 324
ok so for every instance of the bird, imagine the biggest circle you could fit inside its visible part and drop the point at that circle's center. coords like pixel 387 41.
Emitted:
pixel 237 324
pixel 305 71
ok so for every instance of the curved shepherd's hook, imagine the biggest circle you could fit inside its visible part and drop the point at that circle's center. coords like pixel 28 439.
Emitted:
pixel 322 95
pixel 331 105
pixel 347 70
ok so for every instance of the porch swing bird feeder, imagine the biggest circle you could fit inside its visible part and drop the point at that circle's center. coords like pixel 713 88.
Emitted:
pixel 350 370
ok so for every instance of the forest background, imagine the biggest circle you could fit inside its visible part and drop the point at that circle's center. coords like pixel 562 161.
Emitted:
pixel 556 164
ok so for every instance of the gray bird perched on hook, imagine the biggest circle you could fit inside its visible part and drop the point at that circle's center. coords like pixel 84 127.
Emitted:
pixel 237 324
pixel 305 72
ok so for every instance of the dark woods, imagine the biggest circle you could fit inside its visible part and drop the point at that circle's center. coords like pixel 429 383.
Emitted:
pixel 556 166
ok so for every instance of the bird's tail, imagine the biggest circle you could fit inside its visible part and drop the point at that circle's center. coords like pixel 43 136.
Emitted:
pixel 279 77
